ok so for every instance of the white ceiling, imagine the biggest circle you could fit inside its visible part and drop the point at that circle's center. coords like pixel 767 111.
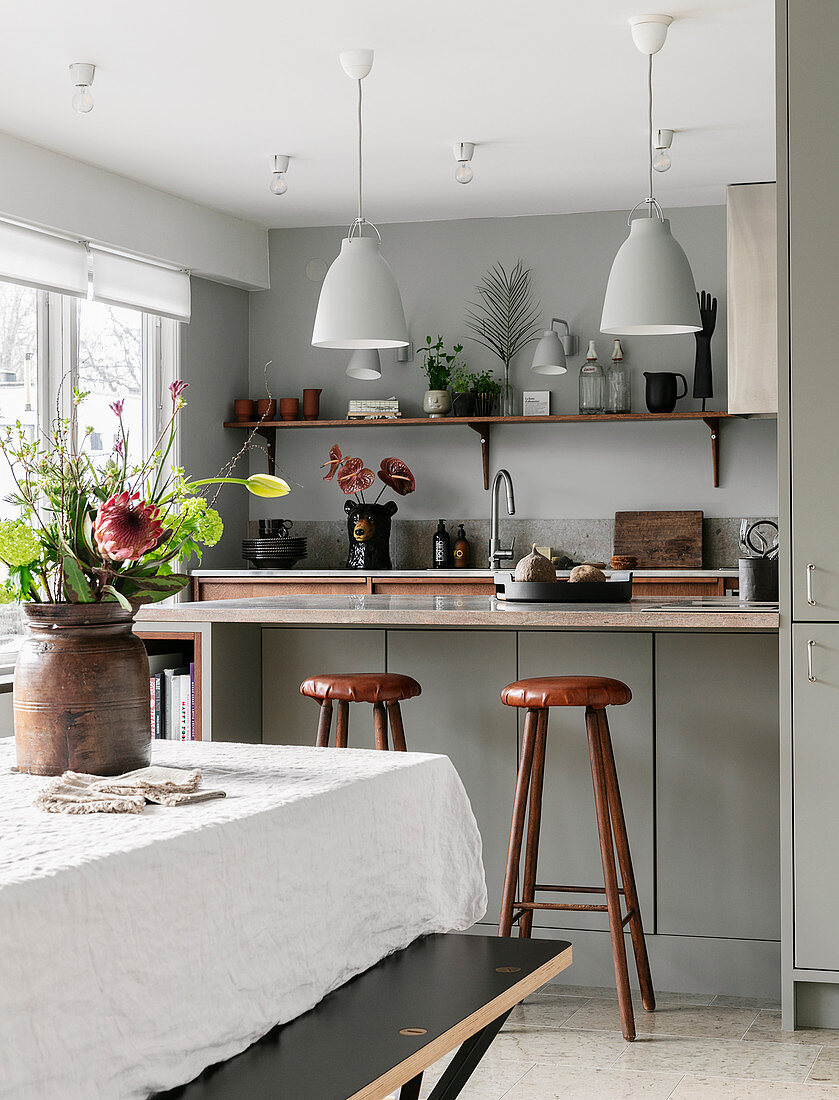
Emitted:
pixel 192 97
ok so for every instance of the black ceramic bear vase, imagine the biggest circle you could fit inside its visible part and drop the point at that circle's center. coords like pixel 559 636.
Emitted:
pixel 368 528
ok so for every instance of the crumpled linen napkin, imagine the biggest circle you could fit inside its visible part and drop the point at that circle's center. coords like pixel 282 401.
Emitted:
pixel 78 793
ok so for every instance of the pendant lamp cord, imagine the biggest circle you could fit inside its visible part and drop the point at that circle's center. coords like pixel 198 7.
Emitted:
pixel 361 217
pixel 649 129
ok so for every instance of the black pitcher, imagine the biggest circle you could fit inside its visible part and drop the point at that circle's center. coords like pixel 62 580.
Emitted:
pixel 662 392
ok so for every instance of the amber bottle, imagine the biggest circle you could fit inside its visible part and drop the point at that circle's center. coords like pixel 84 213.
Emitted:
pixel 462 550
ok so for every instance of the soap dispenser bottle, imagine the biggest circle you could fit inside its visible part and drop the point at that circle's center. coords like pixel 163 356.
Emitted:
pixel 442 547
pixel 592 383
pixel 462 550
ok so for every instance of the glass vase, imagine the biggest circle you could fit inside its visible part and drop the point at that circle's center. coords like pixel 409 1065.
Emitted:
pixel 507 398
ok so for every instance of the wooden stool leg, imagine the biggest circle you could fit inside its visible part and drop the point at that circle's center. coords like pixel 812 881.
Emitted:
pixel 630 892
pixel 342 725
pixel 380 725
pixel 324 724
pixel 534 820
pixel 396 728
pixel 511 874
pixel 610 877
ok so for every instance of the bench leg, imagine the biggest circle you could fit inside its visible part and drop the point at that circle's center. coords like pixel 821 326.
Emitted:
pixel 534 818
pixel 411 1089
pixel 396 728
pixel 464 1063
pixel 324 724
pixel 342 725
pixel 380 725
pixel 511 874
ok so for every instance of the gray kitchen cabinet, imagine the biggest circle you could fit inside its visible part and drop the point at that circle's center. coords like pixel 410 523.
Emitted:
pixel 289 655
pixel 460 714
pixel 569 852
pixel 717 763
pixel 815 801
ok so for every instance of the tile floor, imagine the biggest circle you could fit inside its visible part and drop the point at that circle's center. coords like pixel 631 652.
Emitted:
pixel 565 1042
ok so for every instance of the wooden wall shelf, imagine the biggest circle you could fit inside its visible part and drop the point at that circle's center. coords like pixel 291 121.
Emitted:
pixel 483 426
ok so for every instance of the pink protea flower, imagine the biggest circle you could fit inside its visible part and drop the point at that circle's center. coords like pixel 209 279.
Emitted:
pixel 126 527
pixel 117 406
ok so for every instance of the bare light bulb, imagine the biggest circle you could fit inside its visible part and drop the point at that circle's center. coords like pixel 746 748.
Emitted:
pixel 661 160
pixel 463 173
pixel 279 184
pixel 82 101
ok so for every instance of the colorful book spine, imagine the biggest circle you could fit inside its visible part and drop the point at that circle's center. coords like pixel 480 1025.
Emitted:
pixel 192 700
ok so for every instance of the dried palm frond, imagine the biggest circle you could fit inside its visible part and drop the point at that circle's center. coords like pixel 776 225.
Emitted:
pixel 506 318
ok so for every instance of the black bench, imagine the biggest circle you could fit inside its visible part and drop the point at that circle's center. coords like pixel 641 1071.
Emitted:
pixel 380 1031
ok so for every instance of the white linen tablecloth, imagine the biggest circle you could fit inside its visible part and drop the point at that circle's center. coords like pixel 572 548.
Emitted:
pixel 138 949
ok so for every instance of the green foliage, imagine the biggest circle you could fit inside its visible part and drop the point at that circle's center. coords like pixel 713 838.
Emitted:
pixel 485 383
pixel 19 543
pixel 439 363
pixel 506 318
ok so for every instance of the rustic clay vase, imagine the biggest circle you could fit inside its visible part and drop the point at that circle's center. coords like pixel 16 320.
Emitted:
pixel 311 404
pixel 289 408
pixel 244 409
pixel 266 408
pixel 81 693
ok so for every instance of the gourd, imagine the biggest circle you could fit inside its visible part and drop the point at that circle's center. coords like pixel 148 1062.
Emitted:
pixel 535 567
pixel 586 573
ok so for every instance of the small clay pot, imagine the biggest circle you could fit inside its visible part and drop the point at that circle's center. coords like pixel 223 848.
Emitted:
pixel 289 408
pixel 266 409
pixel 244 409
pixel 311 404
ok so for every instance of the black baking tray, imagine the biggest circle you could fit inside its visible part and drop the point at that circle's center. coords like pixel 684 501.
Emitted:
pixel 616 589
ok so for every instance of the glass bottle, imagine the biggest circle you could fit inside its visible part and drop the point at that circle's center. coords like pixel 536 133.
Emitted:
pixel 618 398
pixel 592 383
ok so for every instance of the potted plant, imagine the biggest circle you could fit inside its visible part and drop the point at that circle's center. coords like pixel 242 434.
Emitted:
pixel 94 541
pixel 461 384
pixel 438 369
pixel 486 391
pixel 505 319
pixel 368 524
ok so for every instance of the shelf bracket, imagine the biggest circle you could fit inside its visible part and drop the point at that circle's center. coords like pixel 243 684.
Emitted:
pixel 270 437
pixel 713 424
pixel 483 432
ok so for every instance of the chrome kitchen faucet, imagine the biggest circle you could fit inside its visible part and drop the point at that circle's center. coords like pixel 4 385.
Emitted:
pixel 497 552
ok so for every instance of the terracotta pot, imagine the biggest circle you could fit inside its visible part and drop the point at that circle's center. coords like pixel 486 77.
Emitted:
pixel 244 410
pixel 311 404
pixel 266 409
pixel 289 408
pixel 81 695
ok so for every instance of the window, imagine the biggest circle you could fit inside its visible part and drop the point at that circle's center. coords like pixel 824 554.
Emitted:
pixel 51 343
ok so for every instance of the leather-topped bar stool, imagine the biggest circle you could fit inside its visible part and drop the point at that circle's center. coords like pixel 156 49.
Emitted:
pixel 385 690
pixel 595 693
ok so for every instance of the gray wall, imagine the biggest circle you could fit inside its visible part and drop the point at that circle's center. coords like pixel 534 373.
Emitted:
pixel 214 360
pixel 574 470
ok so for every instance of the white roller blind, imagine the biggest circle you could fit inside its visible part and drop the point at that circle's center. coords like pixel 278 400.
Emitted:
pixel 37 259
pixel 124 281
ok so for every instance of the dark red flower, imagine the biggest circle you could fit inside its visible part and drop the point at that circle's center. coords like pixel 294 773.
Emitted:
pixel 355 477
pixel 176 388
pixel 395 474
pixel 116 407
pixel 333 463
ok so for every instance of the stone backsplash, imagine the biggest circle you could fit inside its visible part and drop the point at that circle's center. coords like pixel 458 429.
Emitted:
pixel 580 539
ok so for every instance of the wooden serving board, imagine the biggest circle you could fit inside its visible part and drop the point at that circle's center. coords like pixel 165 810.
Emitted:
pixel 660 540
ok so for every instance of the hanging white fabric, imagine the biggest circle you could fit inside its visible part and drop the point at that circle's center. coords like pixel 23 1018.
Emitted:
pixel 125 281
pixel 36 259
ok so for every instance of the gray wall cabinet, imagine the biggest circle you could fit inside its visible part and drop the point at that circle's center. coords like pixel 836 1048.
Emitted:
pixel 569 852
pixel 815 799
pixel 718 845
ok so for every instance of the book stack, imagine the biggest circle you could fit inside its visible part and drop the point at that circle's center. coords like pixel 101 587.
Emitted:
pixel 172 698
pixel 386 408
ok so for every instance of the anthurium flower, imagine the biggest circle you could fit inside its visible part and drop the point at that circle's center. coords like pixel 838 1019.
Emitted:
pixel 126 527
pixel 396 475
pixel 355 477
pixel 333 463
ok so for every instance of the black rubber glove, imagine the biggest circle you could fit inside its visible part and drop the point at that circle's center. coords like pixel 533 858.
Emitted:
pixel 703 379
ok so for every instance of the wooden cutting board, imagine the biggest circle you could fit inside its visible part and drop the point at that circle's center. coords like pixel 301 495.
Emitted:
pixel 660 540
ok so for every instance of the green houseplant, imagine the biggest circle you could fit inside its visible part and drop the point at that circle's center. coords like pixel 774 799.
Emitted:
pixel 505 319
pixel 461 384
pixel 93 542
pixel 486 391
pixel 438 366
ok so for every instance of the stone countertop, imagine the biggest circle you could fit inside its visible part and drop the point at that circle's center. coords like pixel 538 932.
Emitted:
pixel 710 614
pixel 430 574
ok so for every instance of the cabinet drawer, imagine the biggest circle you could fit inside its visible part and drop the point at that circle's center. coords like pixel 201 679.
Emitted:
pixel 238 588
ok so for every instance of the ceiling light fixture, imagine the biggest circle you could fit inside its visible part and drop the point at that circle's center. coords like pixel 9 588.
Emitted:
pixel 279 167
pixel 463 153
pixel 651 290
pixel 360 305
pixel 553 349
pixel 82 73
pixel 365 364
pixel 663 141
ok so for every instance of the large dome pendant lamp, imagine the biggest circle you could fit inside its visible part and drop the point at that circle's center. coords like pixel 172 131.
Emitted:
pixel 651 291
pixel 360 305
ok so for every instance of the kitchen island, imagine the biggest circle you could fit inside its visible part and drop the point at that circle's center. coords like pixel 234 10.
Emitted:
pixel 697 747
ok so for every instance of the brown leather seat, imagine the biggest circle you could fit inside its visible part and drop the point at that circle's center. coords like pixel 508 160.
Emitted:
pixel 361 687
pixel 566 691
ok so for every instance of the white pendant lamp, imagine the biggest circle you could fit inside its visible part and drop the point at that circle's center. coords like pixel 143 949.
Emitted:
pixel 651 290
pixel 552 349
pixel 360 306
pixel 365 364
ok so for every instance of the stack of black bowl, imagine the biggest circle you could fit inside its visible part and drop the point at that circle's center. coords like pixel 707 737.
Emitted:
pixel 274 549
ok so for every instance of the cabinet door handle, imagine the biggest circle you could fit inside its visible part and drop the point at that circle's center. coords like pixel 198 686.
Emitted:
pixel 811 645
pixel 810 598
